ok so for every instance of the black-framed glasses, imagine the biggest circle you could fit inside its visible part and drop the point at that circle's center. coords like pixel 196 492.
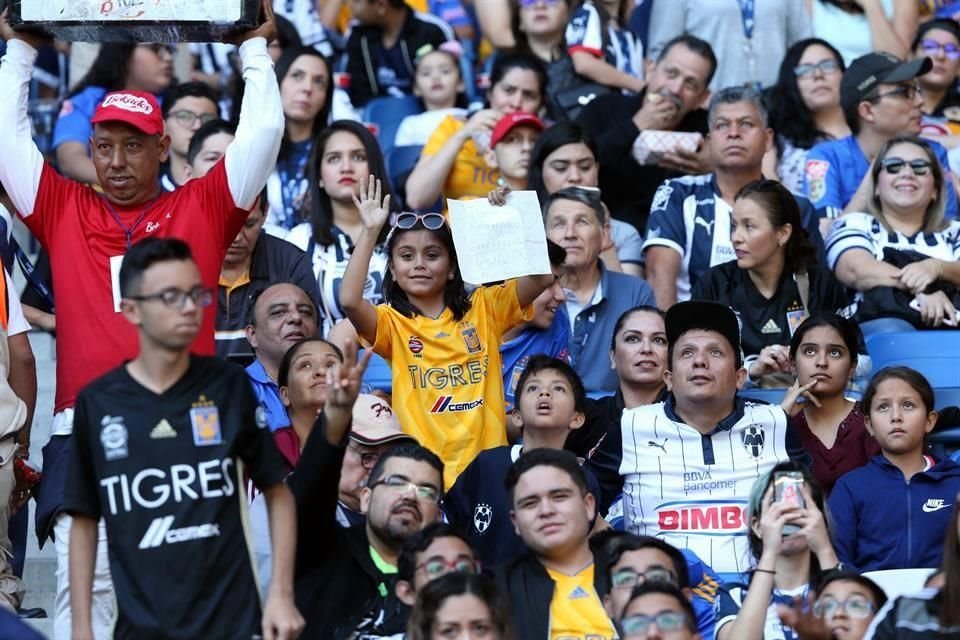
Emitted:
pixel 628 578
pixel 425 492
pixel 893 166
pixel 932 47
pixel 907 91
pixel 187 118
pixel 826 67
pixel 368 459
pixel 161 48
pixel 438 567
pixel 855 607
pixel 177 298
pixel 432 221
pixel 639 625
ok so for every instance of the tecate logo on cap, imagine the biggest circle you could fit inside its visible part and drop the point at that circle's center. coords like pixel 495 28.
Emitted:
pixel 128 102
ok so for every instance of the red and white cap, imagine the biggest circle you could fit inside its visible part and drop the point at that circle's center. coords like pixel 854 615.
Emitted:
pixel 507 123
pixel 374 422
pixel 136 108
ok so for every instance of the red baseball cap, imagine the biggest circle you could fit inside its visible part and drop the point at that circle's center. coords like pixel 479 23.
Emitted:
pixel 507 123
pixel 136 108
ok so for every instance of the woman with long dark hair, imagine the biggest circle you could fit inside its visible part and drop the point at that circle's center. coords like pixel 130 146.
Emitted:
pixel 137 67
pixel 344 153
pixel 805 106
pixel 460 605
pixel 775 282
pixel 305 78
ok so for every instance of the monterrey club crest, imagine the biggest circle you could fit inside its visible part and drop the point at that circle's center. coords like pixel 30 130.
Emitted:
pixel 753 439
pixel 482 516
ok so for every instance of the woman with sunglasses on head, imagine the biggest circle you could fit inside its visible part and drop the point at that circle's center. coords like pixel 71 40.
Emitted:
pixel 344 154
pixel 790 542
pixel 443 343
pixel 902 246
pixel 305 78
pixel 805 106
pixel 131 66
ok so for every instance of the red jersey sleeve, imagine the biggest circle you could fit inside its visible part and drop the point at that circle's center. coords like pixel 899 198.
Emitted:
pixel 57 199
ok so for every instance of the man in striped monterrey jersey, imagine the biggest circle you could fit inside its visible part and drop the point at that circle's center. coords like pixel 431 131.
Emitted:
pixel 686 465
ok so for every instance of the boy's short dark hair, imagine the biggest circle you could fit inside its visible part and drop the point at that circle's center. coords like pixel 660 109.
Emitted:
pixel 541 362
pixel 557 458
pixel 620 542
pixel 205 131
pixel 556 253
pixel 419 542
pixel 145 254
pixel 668 590
pixel 188 90
pixel 410 451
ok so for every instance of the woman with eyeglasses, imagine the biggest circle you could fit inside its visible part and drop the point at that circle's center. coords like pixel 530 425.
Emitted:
pixel 132 66
pixel 805 106
pixel 344 154
pixel 460 606
pixel 939 40
pixel 305 78
pixel 790 545
pixel 901 255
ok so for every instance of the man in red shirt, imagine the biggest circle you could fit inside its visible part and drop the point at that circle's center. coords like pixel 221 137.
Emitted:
pixel 87 233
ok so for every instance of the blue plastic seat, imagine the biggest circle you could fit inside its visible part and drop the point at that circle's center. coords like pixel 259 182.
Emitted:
pixel 387 114
pixel 400 162
pixel 771 396
pixel 935 354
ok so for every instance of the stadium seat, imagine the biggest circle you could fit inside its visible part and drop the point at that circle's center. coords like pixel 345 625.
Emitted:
pixel 896 582
pixel 770 396
pixel 956 456
pixel 400 162
pixel 387 114
pixel 935 354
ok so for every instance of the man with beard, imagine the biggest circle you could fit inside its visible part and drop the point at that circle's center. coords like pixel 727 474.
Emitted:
pixel 345 576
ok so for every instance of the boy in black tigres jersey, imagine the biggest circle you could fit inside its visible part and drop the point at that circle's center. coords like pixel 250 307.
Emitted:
pixel 160 449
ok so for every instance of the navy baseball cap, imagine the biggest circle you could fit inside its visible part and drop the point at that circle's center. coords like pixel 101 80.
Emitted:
pixel 867 72
pixel 706 316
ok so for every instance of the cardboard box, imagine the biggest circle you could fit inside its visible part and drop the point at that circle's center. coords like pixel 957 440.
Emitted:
pixel 135 20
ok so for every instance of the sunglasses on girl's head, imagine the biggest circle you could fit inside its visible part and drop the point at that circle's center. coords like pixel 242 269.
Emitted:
pixel 894 165
pixel 432 221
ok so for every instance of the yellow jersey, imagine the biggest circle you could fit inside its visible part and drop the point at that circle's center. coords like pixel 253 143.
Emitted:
pixel 470 175
pixel 447 380
pixel 576 612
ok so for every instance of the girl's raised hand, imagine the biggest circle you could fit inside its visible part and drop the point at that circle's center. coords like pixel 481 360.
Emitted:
pixel 498 197
pixel 790 403
pixel 373 211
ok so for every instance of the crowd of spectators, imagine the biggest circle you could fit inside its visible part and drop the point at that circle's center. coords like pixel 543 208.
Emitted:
pixel 281 411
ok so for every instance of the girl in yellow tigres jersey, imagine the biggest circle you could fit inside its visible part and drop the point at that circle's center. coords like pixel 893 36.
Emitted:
pixel 443 344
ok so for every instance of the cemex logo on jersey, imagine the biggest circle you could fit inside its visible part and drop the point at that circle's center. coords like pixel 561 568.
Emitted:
pixel 160 532
pixel 445 404
pixel 704 517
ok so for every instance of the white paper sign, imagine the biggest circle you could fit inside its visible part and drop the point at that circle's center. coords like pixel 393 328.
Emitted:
pixel 148 10
pixel 498 243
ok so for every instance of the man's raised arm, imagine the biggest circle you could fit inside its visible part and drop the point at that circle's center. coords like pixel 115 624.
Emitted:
pixel 251 156
pixel 21 163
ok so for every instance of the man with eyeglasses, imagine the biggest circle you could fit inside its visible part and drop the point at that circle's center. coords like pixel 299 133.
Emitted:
pixel 346 575
pixel 633 561
pixel 185 108
pixel 880 99
pixel 939 40
pixel 373 432
pixel 658 611
pixel 430 554
pixel 161 448
pixel 87 233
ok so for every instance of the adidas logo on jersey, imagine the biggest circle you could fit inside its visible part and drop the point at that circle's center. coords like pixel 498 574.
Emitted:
pixel 770 327
pixel 163 430
pixel 578 593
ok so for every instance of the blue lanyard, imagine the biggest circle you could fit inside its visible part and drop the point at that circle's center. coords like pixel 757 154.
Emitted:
pixel 746 15
pixel 128 231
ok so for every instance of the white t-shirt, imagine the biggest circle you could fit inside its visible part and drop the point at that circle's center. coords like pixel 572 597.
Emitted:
pixel 417 129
